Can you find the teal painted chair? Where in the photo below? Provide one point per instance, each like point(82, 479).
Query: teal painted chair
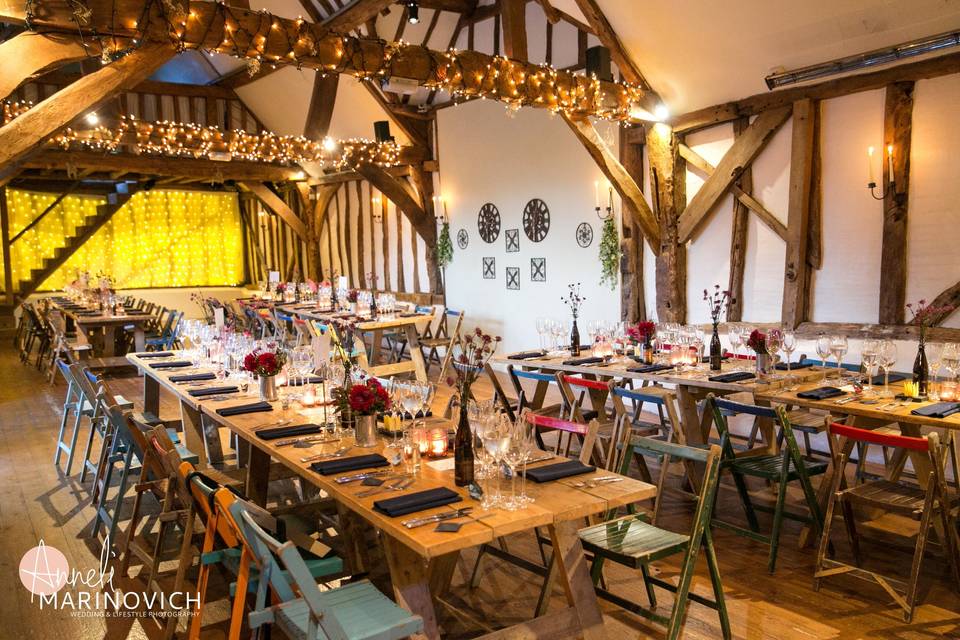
point(356, 611)
point(634, 542)
point(787, 466)
point(77, 404)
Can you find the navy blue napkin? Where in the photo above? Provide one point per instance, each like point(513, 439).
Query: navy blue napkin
point(559, 470)
point(154, 354)
point(283, 432)
point(820, 393)
point(339, 465)
point(213, 391)
point(576, 362)
point(527, 355)
point(650, 368)
point(299, 381)
point(419, 501)
point(938, 410)
point(193, 377)
point(894, 377)
point(241, 409)
point(782, 366)
point(733, 376)
point(173, 364)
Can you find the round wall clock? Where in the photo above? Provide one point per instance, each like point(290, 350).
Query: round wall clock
point(536, 220)
point(463, 238)
point(584, 234)
point(488, 222)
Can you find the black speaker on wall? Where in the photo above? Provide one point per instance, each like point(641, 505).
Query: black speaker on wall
point(598, 63)
point(381, 129)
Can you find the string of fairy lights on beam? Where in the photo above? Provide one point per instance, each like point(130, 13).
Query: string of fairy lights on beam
point(263, 38)
point(188, 140)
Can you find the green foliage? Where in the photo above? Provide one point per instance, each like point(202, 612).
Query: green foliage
point(444, 246)
point(609, 254)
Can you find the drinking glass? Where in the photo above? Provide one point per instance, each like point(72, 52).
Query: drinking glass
point(887, 357)
point(542, 324)
point(823, 350)
point(788, 345)
point(838, 347)
point(525, 434)
point(869, 354)
point(735, 335)
point(951, 359)
point(496, 441)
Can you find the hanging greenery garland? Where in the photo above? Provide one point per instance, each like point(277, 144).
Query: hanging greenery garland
point(609, 254)
point(444, 246)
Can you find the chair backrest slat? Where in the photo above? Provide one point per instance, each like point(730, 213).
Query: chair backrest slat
point(884, 439)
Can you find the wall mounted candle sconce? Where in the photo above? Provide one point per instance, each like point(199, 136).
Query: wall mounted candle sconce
point(596, 194)
point(890, 186)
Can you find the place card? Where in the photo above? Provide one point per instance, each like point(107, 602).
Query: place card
point(444, 464)
point(448, 527)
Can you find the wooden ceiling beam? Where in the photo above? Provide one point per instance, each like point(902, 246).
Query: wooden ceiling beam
point(740, 155)
point(29, 54)
point(513, 13)
point(403, 195)
point(355, 14)
point(322, 101)
point(28, 132)
point(619, 178)
point(608, 37)
point(276, 204)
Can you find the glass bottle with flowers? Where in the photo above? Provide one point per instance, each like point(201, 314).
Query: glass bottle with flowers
point(924, 316)
point(365, 401)
point(352, 296)
point(718, 302)
point(642, 334)
point(758, 342)
point(574, 301)
point(471, 353)
point(265, 365)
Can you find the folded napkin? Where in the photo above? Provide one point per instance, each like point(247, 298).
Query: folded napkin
point(782, 366)
point(213, 391)
point(193, 377)
point(339, 465)
point(650, 368)
point(285, 432)
point(299, 381)
point(576, 362)
point(820, 393)
point(419, 501)
point(154, 354)
point(938, 410)
point(241, 409)
point(559, 470)
point(733, 376)
point(527, 355)
point(410, 314)
point(894, 377)
point(173, 364)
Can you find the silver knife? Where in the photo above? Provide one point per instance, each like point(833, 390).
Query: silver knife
point(360, 476)
point(450, 515)
point(309, 440)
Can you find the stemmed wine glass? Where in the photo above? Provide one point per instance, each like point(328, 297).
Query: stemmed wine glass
point(838, 347)
point(788, 345)
point(869, 354)
point(543, 325)
point(496, 441)
point(823, 350)
point(887, 358)
point(735, 335)
point(525, 435)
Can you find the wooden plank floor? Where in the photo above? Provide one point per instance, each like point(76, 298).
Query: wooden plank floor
point(37, 502)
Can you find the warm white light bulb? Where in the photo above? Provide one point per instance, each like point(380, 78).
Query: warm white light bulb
point(329, 144)
point(92, 118)
point(661, 112)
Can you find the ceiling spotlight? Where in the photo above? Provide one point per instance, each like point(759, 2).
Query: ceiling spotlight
point(661, 112)
point(413, 12)
point(92, 119)
point(329, 144)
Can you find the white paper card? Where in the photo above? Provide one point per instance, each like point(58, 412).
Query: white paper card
point(274, 276)
point(218, 317)
point(343, 283)
point(321, 350)
point(444, 464)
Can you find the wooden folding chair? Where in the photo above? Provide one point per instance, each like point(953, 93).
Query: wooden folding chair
point(788, 466)
point(574, 390)
point(926, 506)
point(534, 401)
point(635, 543)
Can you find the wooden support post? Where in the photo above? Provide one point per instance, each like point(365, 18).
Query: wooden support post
point(815, 235)
point(738, 236)
point(322, 101)
point(668, 183)
point(276, 204)
point(385, 239)
point(796, 279)
point(5, 239)
point(423, 181)
point(897, 126)
point(633, 306)
point(738, 157)
point(514, 15)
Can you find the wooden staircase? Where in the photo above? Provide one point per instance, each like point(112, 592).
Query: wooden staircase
point(119, 196)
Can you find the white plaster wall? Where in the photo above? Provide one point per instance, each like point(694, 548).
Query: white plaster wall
point(489, 157)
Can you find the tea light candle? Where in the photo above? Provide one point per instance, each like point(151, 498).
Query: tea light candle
point(309, 398)
point(948, 391)
point(438, 443)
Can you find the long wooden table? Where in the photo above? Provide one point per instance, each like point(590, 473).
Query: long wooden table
point(404, 324)
point(421, 561)
point(104, 326)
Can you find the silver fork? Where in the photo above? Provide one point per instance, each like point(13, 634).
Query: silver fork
point(271, 425)
point(339, 453)
point(398, 485)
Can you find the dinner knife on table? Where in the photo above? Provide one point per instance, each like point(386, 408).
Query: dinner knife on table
point(439, 517)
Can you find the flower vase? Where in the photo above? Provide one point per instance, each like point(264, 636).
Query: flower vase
point(716, 350)
point(268, 388)
point(574, 339)
point(921, 371)
point(463, 445)
point(365, 432)
point(353, 308)
point(764, 365)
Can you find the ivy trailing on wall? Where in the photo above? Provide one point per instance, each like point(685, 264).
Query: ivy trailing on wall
point(444, 246)
point(609, 254)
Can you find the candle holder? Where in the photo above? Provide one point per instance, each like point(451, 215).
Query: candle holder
point(604, 216)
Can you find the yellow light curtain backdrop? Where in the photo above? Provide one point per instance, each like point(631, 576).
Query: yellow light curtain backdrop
point(158, 239)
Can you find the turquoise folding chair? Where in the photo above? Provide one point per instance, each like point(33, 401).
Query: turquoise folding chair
point(356, 611)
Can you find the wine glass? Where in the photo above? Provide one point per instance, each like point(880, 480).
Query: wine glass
point(496, 441)
point(525, 434)
point(735, 335)
point(869, 354)
point(838, 347)
point(788, 345)
point(542, 324)
point(823, 350)
point(887, 358)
